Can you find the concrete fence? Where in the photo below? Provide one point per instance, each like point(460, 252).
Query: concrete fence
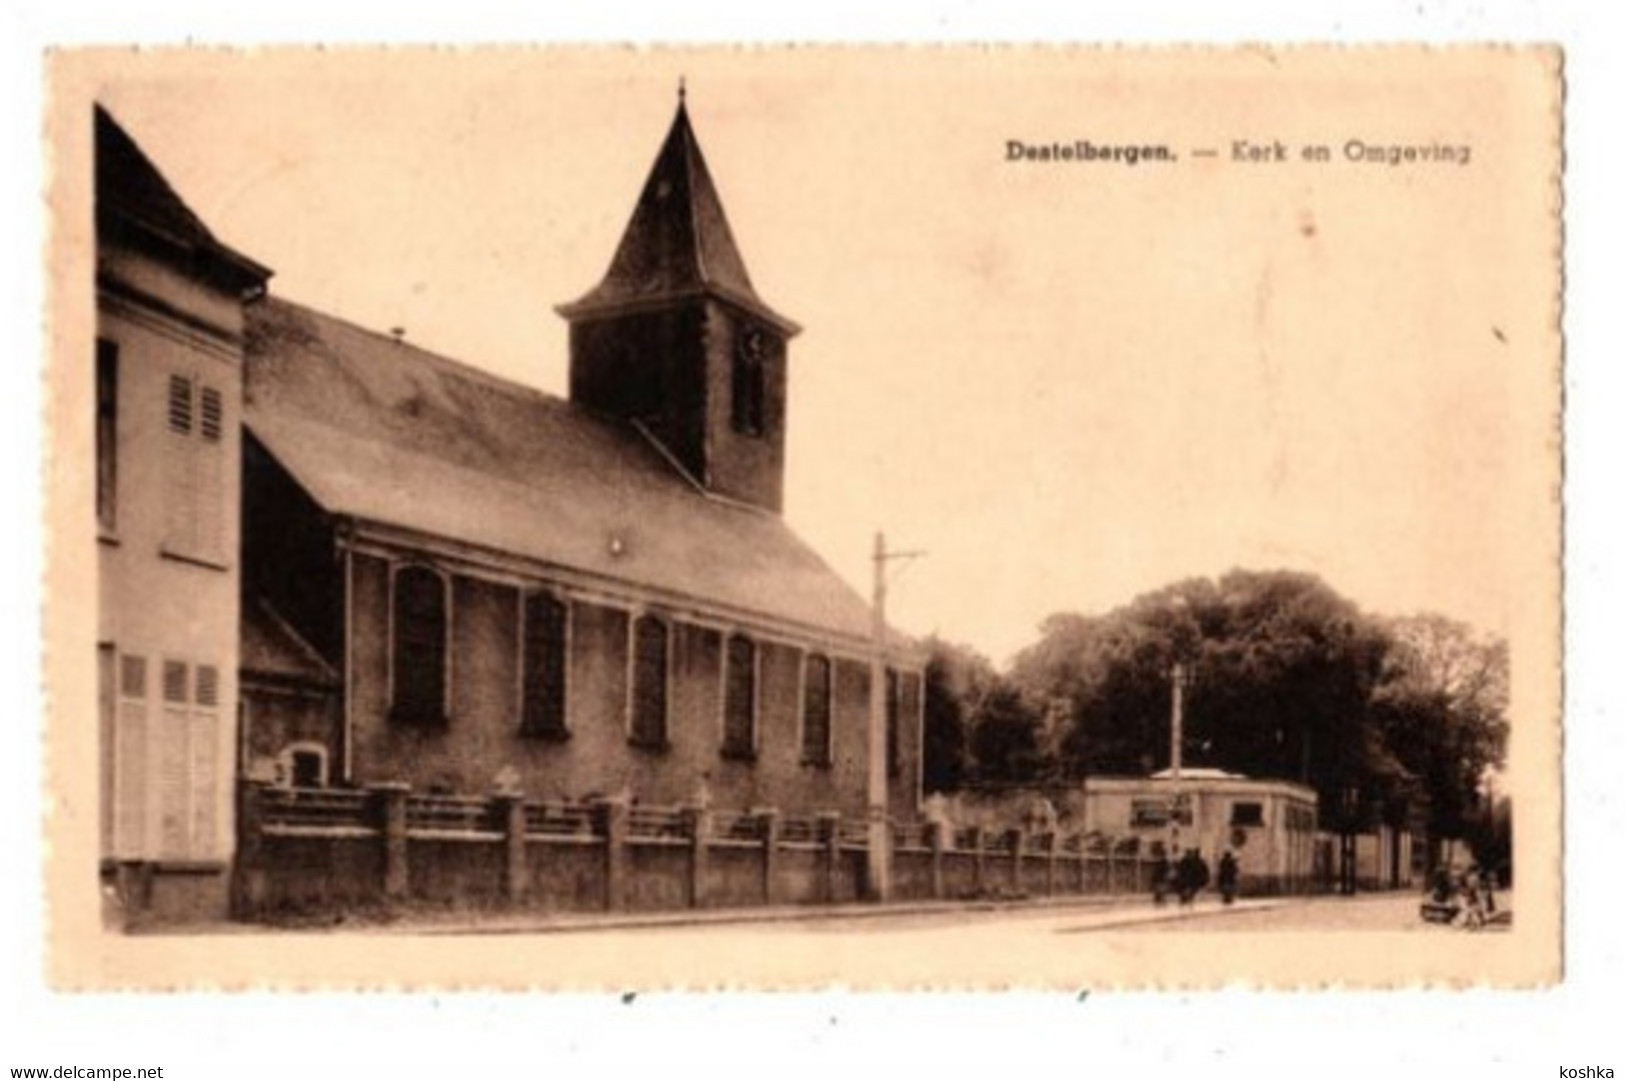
point(315, 851)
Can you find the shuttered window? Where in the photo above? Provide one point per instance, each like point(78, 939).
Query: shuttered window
point(180, 404)
point(739, 699)
point(419, 647)
point(209, 425)
point(185, 774)
point(546, 652)
point(195, 470)
point(130, 759)
point(815, 711)
point(650, 650)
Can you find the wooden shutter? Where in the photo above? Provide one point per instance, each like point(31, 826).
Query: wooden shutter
point(209, 452)
point(130, 759)
point(180, 474)
point(203, 734)
point(174, 764)
point(195, 470)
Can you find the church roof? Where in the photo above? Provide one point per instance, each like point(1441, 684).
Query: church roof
point(678, 243)
point(382, 431)
point(132, 196)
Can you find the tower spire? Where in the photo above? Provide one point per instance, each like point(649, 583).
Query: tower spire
point(675, 340)
point(678, 243)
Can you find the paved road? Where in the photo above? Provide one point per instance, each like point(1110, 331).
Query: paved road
point(1371, 912)
point(1368, 912)
point(1377, 912)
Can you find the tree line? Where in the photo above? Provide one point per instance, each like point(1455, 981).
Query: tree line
point(1400, 718)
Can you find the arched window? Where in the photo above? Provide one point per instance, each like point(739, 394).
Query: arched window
point(739, 699)
point(750, 383)
point(815, 711)
point(649, 668)
point(894, 704)
point(418, 649)
point(546, 628)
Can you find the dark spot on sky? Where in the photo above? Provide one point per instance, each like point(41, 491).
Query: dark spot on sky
point(1502, 338)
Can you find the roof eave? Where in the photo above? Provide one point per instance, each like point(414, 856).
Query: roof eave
point(219, 263)
point(592, 306)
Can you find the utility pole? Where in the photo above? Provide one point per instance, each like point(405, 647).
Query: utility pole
point(879, 855)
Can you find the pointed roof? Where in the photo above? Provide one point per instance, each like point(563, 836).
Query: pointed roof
point(135, 201)
point(678, 244)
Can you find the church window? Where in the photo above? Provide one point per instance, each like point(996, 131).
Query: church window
point(739, 699)
point(893, 722)
point(419, 627)
point(650, 670)
point(545, 636)
point(815, 711)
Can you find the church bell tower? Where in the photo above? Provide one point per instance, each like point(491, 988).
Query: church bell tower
point(675, 340)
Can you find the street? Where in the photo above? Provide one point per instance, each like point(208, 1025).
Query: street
point(1367, 912)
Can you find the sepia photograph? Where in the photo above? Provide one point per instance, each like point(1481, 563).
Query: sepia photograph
point(579, 517)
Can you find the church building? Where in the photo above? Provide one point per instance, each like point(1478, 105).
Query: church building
point(332, 559)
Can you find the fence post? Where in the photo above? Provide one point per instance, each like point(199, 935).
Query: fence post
point(511, 813)
point(829, 832)
point(610, 822)
point(248, 883)
point(767, 828)
point(1018, 852)
point(1111, 867)
point(935, 832)
point(697, 824)
point(390, 801)
point(979, 865)
point(1049, 867)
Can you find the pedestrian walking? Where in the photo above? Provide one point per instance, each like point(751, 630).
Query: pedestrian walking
point(1161, 875)
point(1191, 876)
point(1472, 896)
point(1228, 874)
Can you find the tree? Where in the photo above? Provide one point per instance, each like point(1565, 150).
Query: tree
point(1441, 710)
point(1004, 738)
point(1282, 673)
point(956, 680)
point(1288, 679)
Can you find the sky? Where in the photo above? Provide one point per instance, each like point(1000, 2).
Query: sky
point(1066, 383)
